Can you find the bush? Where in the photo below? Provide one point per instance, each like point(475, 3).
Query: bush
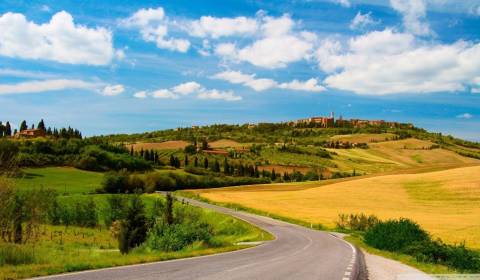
point(395, 235)
point(359, 222)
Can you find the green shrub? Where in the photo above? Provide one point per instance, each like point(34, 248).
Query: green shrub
point(395, 235)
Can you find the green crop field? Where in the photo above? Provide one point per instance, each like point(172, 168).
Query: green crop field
point(65, 180)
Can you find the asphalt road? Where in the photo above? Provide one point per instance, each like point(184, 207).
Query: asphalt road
point(296, 253)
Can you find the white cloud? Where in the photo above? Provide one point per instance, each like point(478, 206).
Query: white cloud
point(413, 12)
point(187, 88)
point(465, 116)
point(45, 86)
point(164, 94)
point(153, 26)
point(236, 77)
point(25, 74)
point(208, 26)
point(309, 85)
point(279, 44)
point(140, 94)
point(219, 95)
point(113, 90)
point(59, 40)
point(362, 21)
point(386, 62)
point(344, 3)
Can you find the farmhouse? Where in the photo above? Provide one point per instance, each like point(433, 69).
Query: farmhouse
point(31, 133)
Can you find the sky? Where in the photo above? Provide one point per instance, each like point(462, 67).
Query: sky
point(118, 66)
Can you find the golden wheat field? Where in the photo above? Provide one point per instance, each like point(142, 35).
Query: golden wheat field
point(446, 203)
point(363, 137)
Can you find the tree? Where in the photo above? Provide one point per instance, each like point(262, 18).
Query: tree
point(205, 145)
point(23, 126)
point(169, 209)
point(216, 166)
point(205, 163)
point(273, 176)
point(133, 229)
point(185, 163)
point(195, 162)
point(8, 129)
point(226, 167)
point(172, 161)
point(41, 125)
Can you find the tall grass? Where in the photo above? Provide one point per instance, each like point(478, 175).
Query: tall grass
point(11, 254)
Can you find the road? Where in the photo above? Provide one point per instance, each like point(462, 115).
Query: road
point(296, 253)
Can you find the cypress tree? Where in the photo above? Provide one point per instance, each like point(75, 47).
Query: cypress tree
point(8, 129)
point(23, 126)
point(273, 176)
point(133, 229)
point(41, 125)
point(185, 163)
point(172, 161)
point(216, 167)
point(205, 163)
point(226, 168)
point(195, 162)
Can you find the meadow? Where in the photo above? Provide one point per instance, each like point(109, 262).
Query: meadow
point(443, 202)
point(72, 248)
point(65, 180)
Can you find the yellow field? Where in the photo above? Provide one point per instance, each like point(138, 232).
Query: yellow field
point(397, 155)
point(167, 145)
point(446, 203)
point(363, 138)
point(226, 143)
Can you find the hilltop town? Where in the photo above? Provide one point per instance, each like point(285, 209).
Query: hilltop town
point(330, 122)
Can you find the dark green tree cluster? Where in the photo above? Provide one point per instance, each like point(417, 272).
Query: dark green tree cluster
point(63, 132)
point(5, 129)
point(148, 155)
point(175, 161)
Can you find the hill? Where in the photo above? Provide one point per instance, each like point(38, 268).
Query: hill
point(444, 202)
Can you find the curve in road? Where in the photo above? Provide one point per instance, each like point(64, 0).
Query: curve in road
point(296, 253)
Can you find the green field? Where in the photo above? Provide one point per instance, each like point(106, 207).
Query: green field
point(65, 180)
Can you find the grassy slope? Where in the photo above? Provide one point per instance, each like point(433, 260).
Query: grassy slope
point(444, 202)
point(82, 248)
point(62, 179)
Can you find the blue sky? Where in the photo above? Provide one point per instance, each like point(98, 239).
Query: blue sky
point(132, 66)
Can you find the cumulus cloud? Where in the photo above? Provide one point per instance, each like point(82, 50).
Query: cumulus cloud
point(465, 116)
point(259, 84)
point(46, 86)
point(413, 12)
point(187, 88)
point(113, 90)
point(190, 88)
point(208, 26)
point(309, 85)
point(140, 94)
point(279, 44)
point(153, 26)
point(362, 21)
point(164, 94)
point(387, 62)
point(219, 95)
point(59, 40)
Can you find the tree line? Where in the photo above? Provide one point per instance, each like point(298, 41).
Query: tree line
point(69, 132)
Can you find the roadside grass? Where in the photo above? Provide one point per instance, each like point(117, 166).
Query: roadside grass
point(429, 268)
point(65, 180)
point(67, 249)
point(445, 203)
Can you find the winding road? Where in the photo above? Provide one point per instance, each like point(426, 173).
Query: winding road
point(296, 253)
